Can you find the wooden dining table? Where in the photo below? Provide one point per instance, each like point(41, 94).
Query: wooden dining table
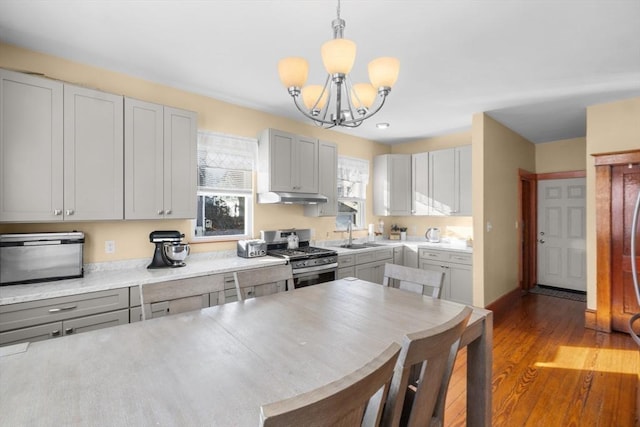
point(218, 365)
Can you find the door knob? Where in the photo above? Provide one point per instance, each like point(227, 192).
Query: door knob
point(541, 240)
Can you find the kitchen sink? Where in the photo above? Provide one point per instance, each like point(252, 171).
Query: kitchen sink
point(360, 245)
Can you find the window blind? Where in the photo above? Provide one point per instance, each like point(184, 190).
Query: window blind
point(225, 162)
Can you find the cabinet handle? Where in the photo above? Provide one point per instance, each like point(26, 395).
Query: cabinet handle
point(57, 310)
point(160, 212)
point(69, 331)
point(55, 333)
point(168, 212)
point(69, 212)
point(57, 212)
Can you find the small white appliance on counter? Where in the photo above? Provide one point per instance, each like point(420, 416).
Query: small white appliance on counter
point(251, 248)
point(40, 257)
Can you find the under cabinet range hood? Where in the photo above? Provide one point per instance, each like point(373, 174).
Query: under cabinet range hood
point(291, 198)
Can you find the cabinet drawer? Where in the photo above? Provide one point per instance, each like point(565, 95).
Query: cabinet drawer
point(365, 257)
point(384, 255)
point(346, 260)
point(32, 334)
point(433, 254)
point(22, 315)
point(461, 258)
point(98, 321)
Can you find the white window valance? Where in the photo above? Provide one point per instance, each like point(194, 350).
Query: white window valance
point(225, 162)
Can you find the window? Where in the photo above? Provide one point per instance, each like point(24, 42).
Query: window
point(225, 186)
point(353, 176)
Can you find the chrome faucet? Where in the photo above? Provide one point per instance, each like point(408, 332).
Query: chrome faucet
point(349, 229)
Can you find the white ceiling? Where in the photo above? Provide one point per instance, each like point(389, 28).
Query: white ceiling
point(532, 65)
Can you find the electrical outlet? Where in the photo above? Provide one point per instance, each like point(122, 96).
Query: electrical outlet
point(109, 246)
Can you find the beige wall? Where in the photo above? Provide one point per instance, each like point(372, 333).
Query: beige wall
point(131, 237)
point(498, 154)
point(561, 156)
point(611, 127)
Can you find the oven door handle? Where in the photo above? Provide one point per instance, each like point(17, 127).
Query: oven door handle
point(315, 268)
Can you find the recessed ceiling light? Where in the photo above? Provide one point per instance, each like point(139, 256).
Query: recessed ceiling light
point(382, 125)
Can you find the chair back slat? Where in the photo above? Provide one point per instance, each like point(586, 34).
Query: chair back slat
point(264, 280)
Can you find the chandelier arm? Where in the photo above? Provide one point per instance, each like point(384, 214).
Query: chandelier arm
point(368, 115)
point(309, 116)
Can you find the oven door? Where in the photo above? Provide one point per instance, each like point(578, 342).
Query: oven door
point(313, 275)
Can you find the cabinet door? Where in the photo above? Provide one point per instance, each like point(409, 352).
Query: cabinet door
point(328, 185)
point(441, 268)
point(443, 182)
point(281, 160)
point(460, 283)
point(392, 184)
point(463, 175)
point(398, 255)
point(93, 155)
point(366, 272)
point(180, 163)
point(31, 148)
point(400, 184)
point(420, 197)
point(346, 272)
point(305, 165)
point(144, 166)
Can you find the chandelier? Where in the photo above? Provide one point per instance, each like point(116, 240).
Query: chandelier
point(339, 102)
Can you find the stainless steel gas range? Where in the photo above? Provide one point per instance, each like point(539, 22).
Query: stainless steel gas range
point(310, 265)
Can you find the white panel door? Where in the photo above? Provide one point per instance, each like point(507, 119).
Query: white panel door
point(561, 233)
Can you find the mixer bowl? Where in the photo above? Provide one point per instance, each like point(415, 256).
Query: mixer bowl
point(176, 252)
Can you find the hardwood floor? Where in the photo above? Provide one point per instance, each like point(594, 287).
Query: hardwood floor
point(548, 370)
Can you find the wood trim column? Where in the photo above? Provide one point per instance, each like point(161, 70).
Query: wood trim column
point(603, 248)
point(603, 165)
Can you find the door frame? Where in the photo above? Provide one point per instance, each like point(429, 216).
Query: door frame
point(528, 213)
point(604, 163)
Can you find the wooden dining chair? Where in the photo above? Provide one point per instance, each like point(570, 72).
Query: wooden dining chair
point(425, 282)
point(179, 296)
point(434, 351)
point(343, 402)
point(263, 281)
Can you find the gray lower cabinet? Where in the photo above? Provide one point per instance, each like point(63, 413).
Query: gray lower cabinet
point(368, 265)
point(457, 269)
point(54, 317)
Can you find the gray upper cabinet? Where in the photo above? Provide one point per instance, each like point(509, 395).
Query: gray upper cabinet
point(287, 162)
point(421, 195)
point(160, 171)
point(31, 148)
point(392, 184)
point(328, 186)
point(93, 154)
point(441, 182)
point(62, 151)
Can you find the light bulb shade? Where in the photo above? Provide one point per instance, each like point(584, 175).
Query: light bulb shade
point(363, 95)
point(338, 56)
point(310, 95)
point(293, 71)
point(383, 72)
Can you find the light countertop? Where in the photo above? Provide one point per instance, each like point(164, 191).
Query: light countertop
point(120, 274)
point(114, 275)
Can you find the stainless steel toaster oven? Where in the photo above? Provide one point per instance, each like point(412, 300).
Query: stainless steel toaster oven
point(40, 257)
point(251, 248)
